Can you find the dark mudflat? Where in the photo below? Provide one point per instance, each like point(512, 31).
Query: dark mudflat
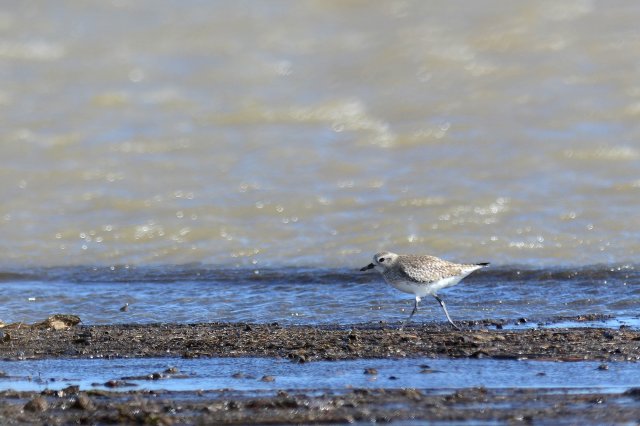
point(62, 337)
point(536, 406)
point(309, 343)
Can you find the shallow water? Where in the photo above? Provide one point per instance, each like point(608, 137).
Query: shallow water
point(190, 294)
point(316, 133)
point(215, 374)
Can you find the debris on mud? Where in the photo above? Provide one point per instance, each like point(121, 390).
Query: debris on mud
point(312, 343)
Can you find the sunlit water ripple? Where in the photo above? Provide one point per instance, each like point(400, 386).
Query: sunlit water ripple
point(288, 133)
point(196, 293)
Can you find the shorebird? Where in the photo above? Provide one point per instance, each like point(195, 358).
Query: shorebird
point(421, 275)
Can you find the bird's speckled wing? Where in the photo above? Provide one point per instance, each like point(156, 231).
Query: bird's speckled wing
point(428, 269)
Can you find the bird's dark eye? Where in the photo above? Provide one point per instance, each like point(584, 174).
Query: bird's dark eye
point(381, 260)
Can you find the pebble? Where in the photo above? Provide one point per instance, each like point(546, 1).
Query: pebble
point(37, 404)
point(117, 384)
point(83, 402)
point(633, 392)
point(70, 390)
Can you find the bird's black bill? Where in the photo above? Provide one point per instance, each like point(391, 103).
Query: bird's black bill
point(369, 266)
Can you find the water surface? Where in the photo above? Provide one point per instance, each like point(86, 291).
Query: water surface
point(315, 133)
point(215, 374)
point(289, 296)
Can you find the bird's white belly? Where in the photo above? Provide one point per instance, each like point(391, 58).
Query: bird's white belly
point(424, 289)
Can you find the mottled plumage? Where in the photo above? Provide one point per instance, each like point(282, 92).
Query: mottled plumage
point(421, 275)
point(425, 269)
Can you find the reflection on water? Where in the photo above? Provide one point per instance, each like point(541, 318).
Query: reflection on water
point(216, 374)
point(316, 133)
point(191, 294)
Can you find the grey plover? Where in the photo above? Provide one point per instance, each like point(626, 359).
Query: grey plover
point(421, 275)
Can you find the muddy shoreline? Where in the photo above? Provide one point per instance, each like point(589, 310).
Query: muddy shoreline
point(356, 405)
point(311, 343)
point(62, 337)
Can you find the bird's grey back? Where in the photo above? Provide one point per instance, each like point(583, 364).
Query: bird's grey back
point(425, 269)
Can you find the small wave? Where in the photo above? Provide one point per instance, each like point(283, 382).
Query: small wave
point(170, 274)
point(212, 273)
point(17, 276)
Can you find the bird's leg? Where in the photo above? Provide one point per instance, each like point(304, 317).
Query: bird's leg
point(415, 309)
point(441, 302)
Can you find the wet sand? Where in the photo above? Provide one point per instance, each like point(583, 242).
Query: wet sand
point(310, 343)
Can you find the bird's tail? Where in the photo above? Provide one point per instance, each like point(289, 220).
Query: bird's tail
point(483, 264)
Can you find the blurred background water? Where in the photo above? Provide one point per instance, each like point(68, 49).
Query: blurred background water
point(314, 133)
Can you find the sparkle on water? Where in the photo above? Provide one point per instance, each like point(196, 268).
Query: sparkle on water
point(193, 293)
point(277, 134)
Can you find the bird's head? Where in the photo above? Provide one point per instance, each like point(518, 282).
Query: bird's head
point(382, 261)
